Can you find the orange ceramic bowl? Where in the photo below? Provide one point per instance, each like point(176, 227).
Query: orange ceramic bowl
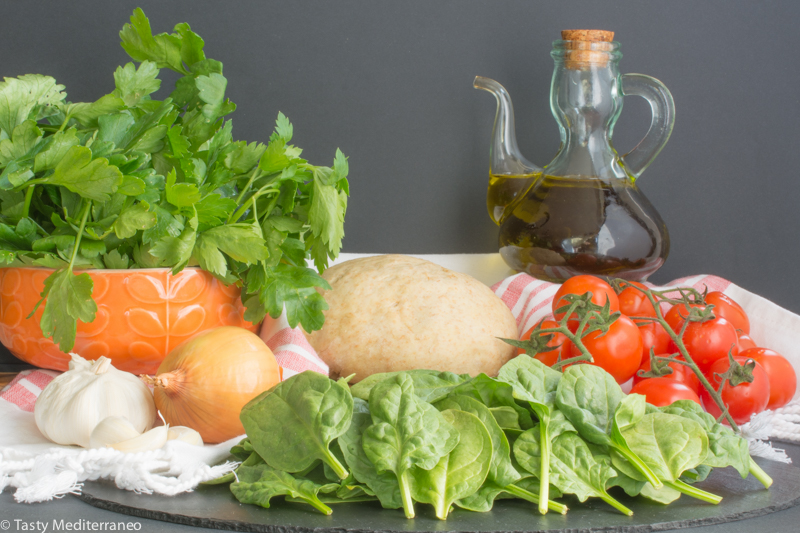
point(141, 315)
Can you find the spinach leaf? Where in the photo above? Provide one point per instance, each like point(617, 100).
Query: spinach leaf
point(429, 385)
point(259, 484)
point(459, 473)
point(494, 393)
point(665, 495)
point(242, 450)
point(292, 424)
point(590, 397)
point(501, 472)
point(573, 468)
point(725, 448)
point(405, 432)
point(384, 485)
point(669, 445)
point(535, 384)
point(506, 417)
point(632, 487)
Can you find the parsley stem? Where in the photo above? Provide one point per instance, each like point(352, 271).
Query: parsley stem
point(85, 216)
point(28, 197)
point(249, 184)
point(64, 124)
point(239, 212)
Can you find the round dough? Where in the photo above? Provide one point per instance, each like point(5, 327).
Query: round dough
point(393, 312)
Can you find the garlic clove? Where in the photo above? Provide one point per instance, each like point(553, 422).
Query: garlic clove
point(151, 440)
point(186, 434)
point(111, 430)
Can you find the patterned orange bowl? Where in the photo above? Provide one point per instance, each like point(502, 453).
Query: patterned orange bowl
point(141, 315)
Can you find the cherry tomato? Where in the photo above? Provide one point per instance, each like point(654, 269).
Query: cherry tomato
point(676, 316)
point(663, 391)
point(619, 351)
point(680, 373)
point(633, 302)
point(601, 291)
point(745, 342)
point(725, 307)
point(781, 374)
point(743, 400)
point(653, 336)
point(549, 357)
point(709, 341)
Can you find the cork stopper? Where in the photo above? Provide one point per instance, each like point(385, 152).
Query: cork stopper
point(586, 48)
point(592, 36)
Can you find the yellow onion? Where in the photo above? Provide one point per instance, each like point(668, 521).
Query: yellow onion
point(206, 380)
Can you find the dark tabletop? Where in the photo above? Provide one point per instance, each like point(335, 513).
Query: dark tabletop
point(22, 517)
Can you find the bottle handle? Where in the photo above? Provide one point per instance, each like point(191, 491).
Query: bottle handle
point(663, 109)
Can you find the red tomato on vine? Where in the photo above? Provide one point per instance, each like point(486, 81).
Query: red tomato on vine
point(601, 292)
point(745, 399)
point(618, 352)
point(663, 391)
point(680, 373)
point(558, 341)
point(781, 374)
point(725, 307)
point(633, 302)
point(709, 341)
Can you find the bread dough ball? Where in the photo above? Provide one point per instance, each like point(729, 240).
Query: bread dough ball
point(393, 312)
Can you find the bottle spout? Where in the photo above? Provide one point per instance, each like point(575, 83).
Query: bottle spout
point(505, 156)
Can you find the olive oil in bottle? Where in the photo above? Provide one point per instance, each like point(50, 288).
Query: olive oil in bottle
point(564, 226)
point(504, 190)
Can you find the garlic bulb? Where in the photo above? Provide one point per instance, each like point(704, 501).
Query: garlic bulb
point(74, 403)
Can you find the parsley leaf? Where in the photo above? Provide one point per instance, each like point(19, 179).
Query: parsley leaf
point(132, 219)
point(241, 242)
point(191, 44)
point(295, 288)
point(212, 91)
point(115, 260)
point(25, 137)
point(93, 179)
point(244, 157)
point(177, 251)
point(88, 113)
point(59, 145)
point(22, 98)
point(68, 298)
point(326, 215)
point(181, 194)
point(135, 84)
point(140, 43)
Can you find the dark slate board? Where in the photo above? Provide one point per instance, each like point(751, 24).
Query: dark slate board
point(215, 507)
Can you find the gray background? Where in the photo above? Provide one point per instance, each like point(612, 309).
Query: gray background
point(390, 83)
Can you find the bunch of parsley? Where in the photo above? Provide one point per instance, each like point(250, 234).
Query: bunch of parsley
point(132, 182)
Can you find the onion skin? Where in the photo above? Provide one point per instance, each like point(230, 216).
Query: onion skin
point(206, 380)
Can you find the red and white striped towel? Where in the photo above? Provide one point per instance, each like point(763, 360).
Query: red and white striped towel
point(291, 348)
point(26, 387)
